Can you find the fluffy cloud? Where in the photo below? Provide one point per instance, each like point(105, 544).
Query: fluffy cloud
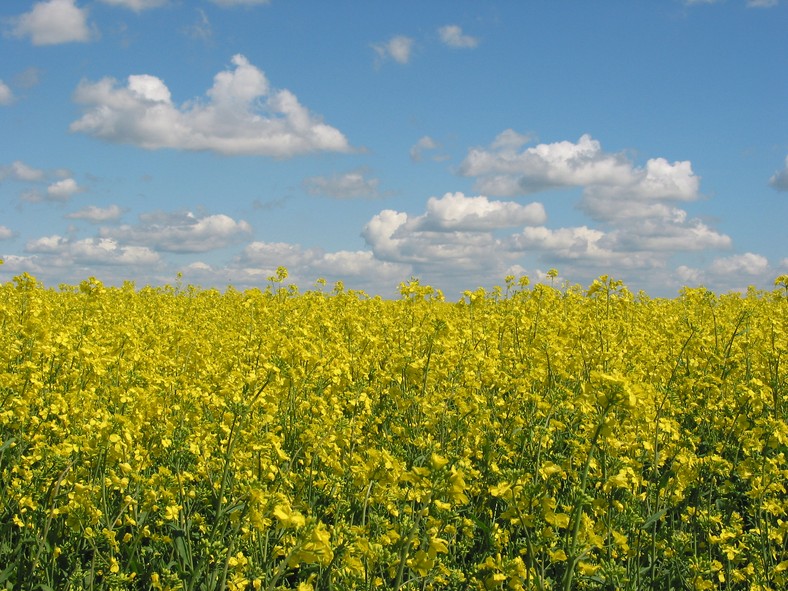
point(180, 232)
point(456, 212)
point(240, 115)
point(453, 36)
point(566, 244)
point(19, 171)
point(136, 5)
point(6, 96)
point(636, 203)
point(97, 214)
point(749, 263)
point(398, 48)
point(779, 180)
point(455, 233)
point(508, 171)
point(351, 185)
point(657, 236)
point(732, 273)
point(96, 251)
point(63, 190)
point(53, 22)
point(5, 233)
point(362, 268)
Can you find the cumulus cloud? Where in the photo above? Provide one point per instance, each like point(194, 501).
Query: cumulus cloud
point(5, 233)
point(657, 237)
point(779, 180)
point(455, 211)
point(53, 22)
point(180, 231)
point(455, 233)
point(564, 243)
point(562, 164)
point(241, 114)
point(731, 273)
point(351, 185)
point(453, 36)
point(63, 190)
point(637, 204)
point(740, 264)
point(20, 171)
point(96, 214)
point(398, 48)
point(366, 271)
point(97, 251)
point(136, 5)
point(6, 96)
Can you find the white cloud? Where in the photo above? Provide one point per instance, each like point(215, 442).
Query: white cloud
point(100, 251)
point(180, 231)
point(270, 255)
point(425, 143)
point(660, 236)
point(63, 190)
point(398, 48)
point(96, 214)
point(658, 180)
point(689, 275)
point(53, 22)
point(509, 139)
point(762, 3)
point(456, 233)
point(241, 115)
point(305, 265)
point(779, 180)
point(636, 202)
point(453, 36)
point(732, 273)
point(20, 171)
point(456, 212)
point(749, 264)
point(351, 185)
point(6, 96)
point(136, 5)
point(5, 233)
point(15, 264)
point(504, 169)
point(561, 164)
point(564, 243)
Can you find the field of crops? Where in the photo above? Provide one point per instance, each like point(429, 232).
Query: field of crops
point(528, 437)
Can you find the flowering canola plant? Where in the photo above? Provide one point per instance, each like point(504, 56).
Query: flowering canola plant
point(520, 438)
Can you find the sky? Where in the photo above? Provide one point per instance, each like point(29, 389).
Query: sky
point(371, 142)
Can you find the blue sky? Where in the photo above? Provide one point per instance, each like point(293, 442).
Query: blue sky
point(455, 141)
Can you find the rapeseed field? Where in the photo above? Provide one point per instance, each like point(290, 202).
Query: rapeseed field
point(525, 437)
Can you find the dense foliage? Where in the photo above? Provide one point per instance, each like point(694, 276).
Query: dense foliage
point(522, 438)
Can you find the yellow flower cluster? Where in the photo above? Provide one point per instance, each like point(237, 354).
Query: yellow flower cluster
point(521, 438)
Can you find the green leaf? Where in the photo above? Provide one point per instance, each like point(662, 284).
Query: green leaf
point(654, 518)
